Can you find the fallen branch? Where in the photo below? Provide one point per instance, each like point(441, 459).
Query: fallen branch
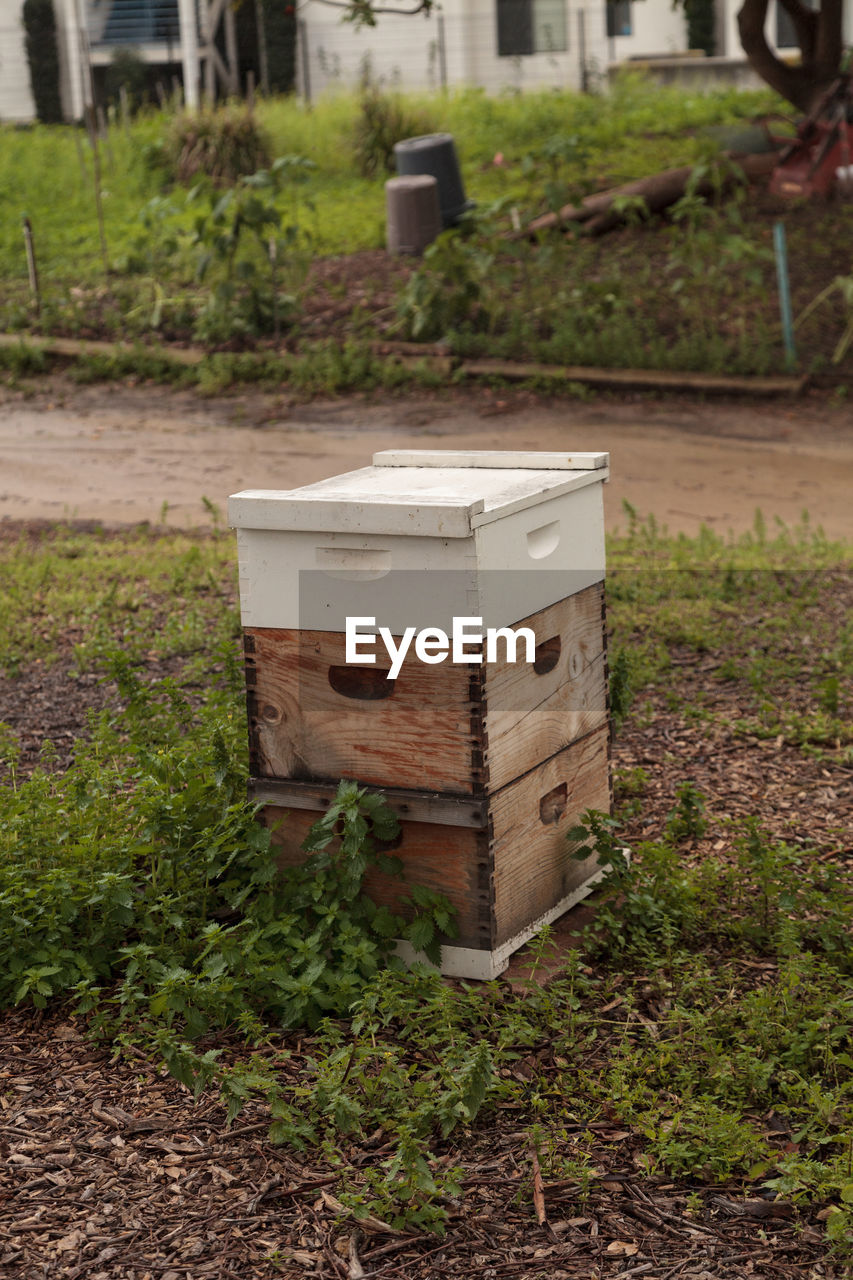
point(597, 213)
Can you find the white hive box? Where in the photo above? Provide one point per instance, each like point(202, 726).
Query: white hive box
point(358, 544)
point(488, 765)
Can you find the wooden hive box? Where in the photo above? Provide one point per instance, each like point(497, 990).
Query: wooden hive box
point(487, 765)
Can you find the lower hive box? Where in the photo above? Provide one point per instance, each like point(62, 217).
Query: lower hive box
point(502, 859)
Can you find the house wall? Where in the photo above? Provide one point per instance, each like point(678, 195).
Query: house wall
point(16, 99)
point(405, 50)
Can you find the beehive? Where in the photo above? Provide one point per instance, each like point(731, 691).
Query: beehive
point(487, 765)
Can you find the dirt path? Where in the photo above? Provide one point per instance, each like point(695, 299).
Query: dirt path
point(118, 454)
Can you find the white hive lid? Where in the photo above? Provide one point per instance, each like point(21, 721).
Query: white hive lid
point(420, 493)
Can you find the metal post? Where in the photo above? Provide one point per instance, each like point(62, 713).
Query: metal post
point(781, 249)
point(442, 52)
point(582, 50)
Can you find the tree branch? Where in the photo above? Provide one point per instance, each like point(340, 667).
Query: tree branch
point(801, 85)
point(363, 13)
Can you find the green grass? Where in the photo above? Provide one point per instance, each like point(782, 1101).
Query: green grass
point(162, 595)
point(694, 292)
point(610, 138)
point(627, 134)
point(137, 886)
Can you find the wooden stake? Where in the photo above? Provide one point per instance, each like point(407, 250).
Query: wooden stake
point(124, 106)
point(96, 165)
point(80, 155)
point(31, 265)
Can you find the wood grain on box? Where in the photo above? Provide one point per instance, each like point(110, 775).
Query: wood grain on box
point(445, 728)
point(499, 879)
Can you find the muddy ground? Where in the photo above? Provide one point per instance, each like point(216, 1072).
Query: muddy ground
point(126, 453)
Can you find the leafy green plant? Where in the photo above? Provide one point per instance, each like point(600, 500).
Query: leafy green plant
point(687, 820)
point(127, 71)
point(137, 886)
point(242, 243)
point(620, 688)
point(842, 286)
point(446, 291)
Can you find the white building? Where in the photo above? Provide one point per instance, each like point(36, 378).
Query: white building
point(88, 34)
point(16, 99)
point(495, 44)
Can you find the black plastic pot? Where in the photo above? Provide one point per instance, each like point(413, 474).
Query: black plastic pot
point(435, 154)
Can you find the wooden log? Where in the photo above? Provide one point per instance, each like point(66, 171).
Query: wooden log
point(648, 379)
point(659, 190)
point(74, 347)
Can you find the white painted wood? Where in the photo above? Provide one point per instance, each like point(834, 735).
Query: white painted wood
point(531, 492)
point(189, 52)
point(491, 458)
point(483, 966)
point(422, 501)
point(16, 99)
point(295, 580)
point(422, 515)
point(416, 546)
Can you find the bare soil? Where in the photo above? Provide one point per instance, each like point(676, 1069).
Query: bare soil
point(127, 453)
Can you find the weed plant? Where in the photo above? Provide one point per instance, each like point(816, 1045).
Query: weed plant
point(382, 121)
point(711, 992)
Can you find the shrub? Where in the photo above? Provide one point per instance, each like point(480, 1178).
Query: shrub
point(223, 144)
point(40, 27)
point(383, 120)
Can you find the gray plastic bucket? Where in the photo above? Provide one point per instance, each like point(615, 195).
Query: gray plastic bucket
point(413, 213)
point(435, 153)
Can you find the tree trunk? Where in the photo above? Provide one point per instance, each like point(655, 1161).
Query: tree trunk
point(819, 34)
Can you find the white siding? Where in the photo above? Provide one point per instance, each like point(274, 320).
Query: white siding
point(656, 28)
point(16, 99)
point(405, 50)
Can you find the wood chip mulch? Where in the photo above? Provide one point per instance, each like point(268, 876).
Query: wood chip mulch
point(111, 1171)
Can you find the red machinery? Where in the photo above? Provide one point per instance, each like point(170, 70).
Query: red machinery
point(818, 159)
